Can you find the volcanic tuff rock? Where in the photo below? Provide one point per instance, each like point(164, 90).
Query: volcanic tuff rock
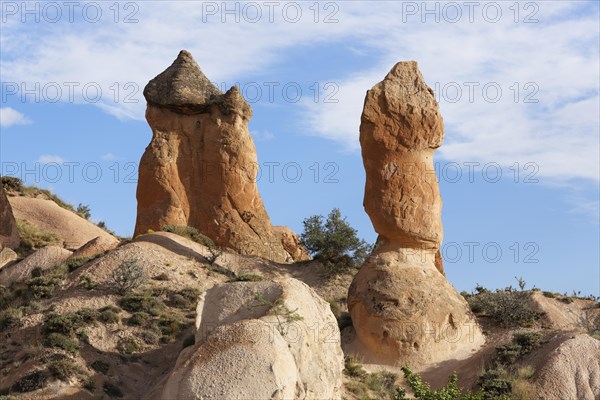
point(403, 309)
point(269, 339)
point(201, 165)
point(9, 234)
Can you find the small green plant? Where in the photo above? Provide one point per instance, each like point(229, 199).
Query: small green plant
point(127, 277)
point(100, 366)
point(84, 211)
point(60, 341)
point(423, 391)
point(527, 340)
point(137, 302)
point(278, 309)
point(109, 317)
point(522, 283)
point(129, 346)
point(63, 369)
point(353, 368)
point(334, 242)
point(10, 318)
point(151, 336)
point(191, 233)
point(89, 384)
point(87, 283)
point(550, 295)
point(495, 384)
point(140, 318)
point(169, 325)
point(247, 278)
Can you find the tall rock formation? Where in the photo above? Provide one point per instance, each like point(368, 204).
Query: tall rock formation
point(403, 309)
point(9, 234)
point(201, 165)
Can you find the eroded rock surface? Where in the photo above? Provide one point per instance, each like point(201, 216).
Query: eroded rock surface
point(403, 309)
point(201, 165)
point(276, 340)
point(9, 234)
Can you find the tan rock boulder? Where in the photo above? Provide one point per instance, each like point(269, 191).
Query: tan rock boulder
point(284, 324)
point(570, 371)
point(200, 166)
point(7, 257)
point(403, 309)
point(45, 259)
point(94, 247)
point(9, 234)
point(48, 216)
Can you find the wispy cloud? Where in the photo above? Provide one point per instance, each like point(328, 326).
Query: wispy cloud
point(263, 136)
point(9, 117)
point(47, 159)
point(108, 157)
point(554, 61)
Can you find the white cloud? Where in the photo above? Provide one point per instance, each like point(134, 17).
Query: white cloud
point(559, 54)
point(9, 117)
point(47, 159)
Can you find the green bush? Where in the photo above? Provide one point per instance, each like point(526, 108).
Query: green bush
point(89, 384)
point(129, 346)
point(109, 317)
point(60, 341)
point(527, 340)
point(353, 369)
point(127, 277)
point(76, 262)
point(63, 369)
point(69, 323)
point(508, 353)
point(100, 366)
point(185, 299)
point(192, 234)
point(10, 318)
point(423, 391)
point(140, 318)
point(334, 242)
point(142, 303)
point(12, 184)
point(495, 384)
point(43, 287)
point(84, 211)
point(30, 382)
point(169, 325)
point(506, 307)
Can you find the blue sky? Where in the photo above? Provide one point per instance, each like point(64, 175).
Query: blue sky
point(517, 83)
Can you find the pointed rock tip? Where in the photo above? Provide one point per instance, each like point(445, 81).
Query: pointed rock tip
point(183, 86)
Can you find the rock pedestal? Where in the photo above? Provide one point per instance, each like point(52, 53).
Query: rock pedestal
point(201, 165)
point(403, 309)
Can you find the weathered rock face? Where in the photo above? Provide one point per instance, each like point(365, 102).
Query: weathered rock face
point(200, 167)
point(403, 309)
point(45, 259)
point(281, 331)
point(9, 234)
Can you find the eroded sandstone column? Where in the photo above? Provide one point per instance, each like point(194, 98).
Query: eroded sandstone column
point(403, 309)
point(9, 234)
point(200, 167)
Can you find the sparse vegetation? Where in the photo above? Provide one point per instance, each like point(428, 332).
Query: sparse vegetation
point(247, 278)
point(10, 318)
point(334, 242)
point(33, 238)
point(127, 277)
point(129, 346)
point(278, 309)
point(63, 369)
point(185, 299)
point(100, 366)
point(60, 341)
point(84, 211)
point(30, 382)
point(508, 307)
point(143, 302)
point(191, 233)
